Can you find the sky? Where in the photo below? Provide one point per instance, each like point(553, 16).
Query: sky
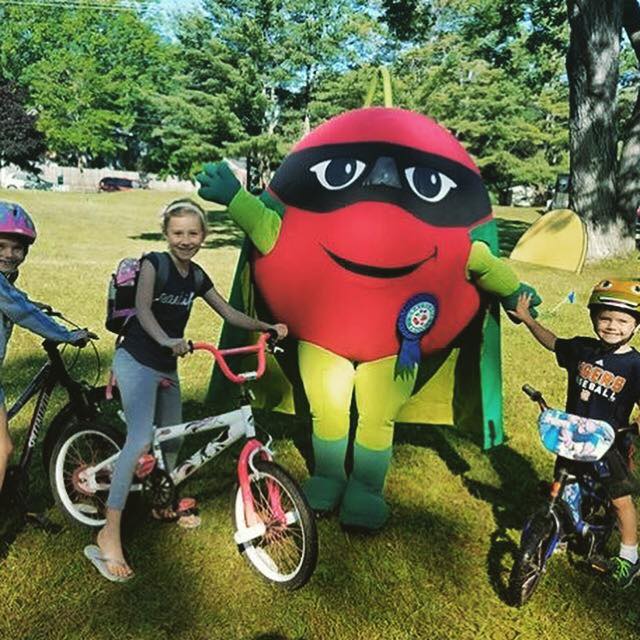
point(170, 6)
point(167, 9)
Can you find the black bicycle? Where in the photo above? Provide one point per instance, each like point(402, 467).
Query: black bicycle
point(578, 512)
point(86, 403)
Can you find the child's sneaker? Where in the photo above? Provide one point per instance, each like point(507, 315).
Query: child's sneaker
point(623, 571)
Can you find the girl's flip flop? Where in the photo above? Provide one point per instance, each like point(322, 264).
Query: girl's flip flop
point(94, 554)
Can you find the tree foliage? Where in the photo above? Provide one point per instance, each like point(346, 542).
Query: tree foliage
point(89, 74)
point(249, 77)
point(286, 48)
point(476, 74)
point(20, 142)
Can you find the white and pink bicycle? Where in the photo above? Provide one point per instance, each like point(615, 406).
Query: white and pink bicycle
point(275, 528)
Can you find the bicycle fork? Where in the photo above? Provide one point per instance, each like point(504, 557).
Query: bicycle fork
point(568, 494)
point(256, 527)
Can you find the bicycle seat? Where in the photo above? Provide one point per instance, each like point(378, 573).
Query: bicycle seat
point(574, 437)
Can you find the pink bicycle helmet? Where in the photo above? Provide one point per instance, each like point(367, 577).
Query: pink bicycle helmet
point(16, 221)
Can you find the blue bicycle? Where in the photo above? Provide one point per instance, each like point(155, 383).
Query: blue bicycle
point(578, 512)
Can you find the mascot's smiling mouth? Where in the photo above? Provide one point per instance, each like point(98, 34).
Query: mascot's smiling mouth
point(378, 272)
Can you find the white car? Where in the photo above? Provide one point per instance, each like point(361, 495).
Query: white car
point(24, 180)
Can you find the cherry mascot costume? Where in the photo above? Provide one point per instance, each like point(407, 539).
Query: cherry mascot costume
point(375, 244)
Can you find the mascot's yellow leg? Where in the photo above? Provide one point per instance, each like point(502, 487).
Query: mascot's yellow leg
point(380, 394)
point(328, 382)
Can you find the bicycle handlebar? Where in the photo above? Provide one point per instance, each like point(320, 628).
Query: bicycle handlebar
point(633, 428)
point(219, 355)
point(534, 394)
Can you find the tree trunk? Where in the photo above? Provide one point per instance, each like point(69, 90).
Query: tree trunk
point(628, 177)
point(592, 67)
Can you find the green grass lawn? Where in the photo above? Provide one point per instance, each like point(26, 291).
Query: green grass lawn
point(438, 570)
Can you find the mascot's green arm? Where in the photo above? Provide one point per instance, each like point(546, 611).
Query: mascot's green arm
point(490, 273)
point(260, 223)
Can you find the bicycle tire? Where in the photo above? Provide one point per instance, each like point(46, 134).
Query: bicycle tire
point(79, 446)
point(286, 555)
point(531, 560)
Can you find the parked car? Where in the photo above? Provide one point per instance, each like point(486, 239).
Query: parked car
point(24, 180)
point(119, 184)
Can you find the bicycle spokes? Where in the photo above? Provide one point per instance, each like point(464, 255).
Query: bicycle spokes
point(274, 537)
point(81, 477)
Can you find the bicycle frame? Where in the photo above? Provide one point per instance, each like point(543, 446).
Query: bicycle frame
point(43, 383)
point(571, 514)
point(238, 424)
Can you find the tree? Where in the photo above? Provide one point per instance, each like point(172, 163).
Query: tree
point(628, 174)
point(592, 66)
point(284, 48)
point(20, 142)
point(90, 74)
point(479, 74)
point(202, 109)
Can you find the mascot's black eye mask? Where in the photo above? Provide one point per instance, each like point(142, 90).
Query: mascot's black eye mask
point(434, 189)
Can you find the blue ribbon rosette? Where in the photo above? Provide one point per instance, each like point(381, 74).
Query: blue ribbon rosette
point(416, 318)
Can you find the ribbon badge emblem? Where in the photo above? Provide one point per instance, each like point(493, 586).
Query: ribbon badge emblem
point(416, 318)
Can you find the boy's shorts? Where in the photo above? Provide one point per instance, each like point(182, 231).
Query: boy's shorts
point(613, 470)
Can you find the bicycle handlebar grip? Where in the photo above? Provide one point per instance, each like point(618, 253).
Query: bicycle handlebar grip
point(534, 394)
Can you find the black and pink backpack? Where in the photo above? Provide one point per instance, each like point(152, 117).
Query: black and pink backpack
point(121, 297)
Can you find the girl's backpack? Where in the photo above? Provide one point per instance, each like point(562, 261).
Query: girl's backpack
point(121, 296)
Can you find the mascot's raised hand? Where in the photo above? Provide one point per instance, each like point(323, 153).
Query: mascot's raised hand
point(219, 184)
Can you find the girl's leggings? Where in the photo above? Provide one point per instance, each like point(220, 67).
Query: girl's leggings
point(145, 404)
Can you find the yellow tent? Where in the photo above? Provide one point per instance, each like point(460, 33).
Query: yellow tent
point(558, 239)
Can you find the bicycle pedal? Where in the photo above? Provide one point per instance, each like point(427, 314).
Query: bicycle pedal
point(600, 563)
point(146, 464)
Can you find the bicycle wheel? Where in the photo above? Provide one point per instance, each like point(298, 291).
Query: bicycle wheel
point(536, 546)
point(82, 446)
point(105, 413)
point(286, 552)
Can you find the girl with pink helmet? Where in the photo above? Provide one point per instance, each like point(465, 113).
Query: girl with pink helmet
point(17, 234)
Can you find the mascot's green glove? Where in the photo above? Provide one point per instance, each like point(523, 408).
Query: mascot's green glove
point(509, 302)
point(218, 183)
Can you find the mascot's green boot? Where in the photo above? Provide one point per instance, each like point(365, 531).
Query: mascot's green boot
point(325, 487)
point(363, 506)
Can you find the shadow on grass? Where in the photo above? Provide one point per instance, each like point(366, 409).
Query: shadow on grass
point(432, 437)
point(12, 524)
point(510, 502)
point(387, 571)
point(509, 232)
